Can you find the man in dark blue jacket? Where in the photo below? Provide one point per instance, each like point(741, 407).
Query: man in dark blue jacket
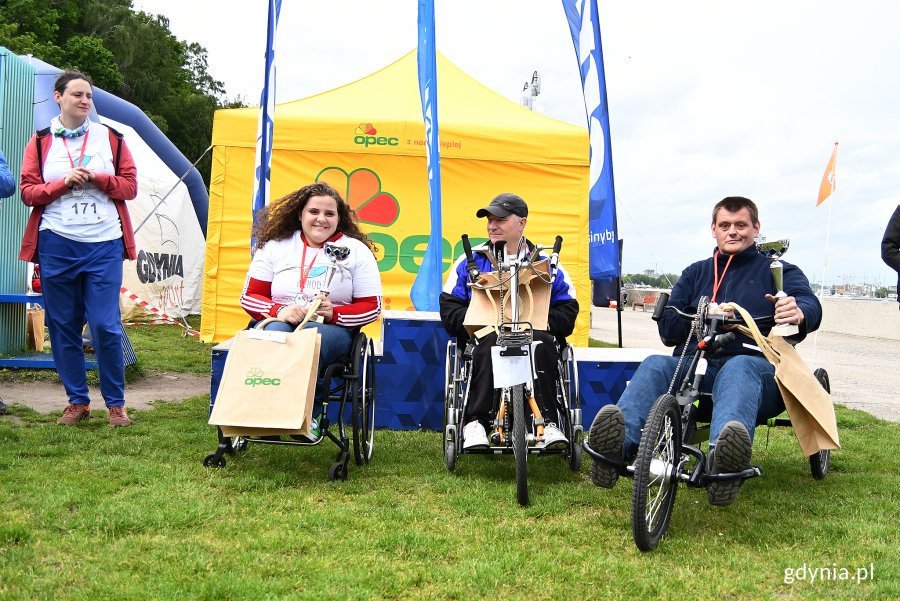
point(890, 245)
point(7, 181)
point(741, 380)
point(506, 217)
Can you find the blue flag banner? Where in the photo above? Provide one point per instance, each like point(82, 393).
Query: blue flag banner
point(261, 173)
point(603, 246)
point(427, 286)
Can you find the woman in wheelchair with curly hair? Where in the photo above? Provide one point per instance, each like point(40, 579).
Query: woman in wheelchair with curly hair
point(289, 268)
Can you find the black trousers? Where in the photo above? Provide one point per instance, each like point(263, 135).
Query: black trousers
point(484, 400)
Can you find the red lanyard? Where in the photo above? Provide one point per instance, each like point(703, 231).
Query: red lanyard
point(83, 146)
point(717, 281)
point(305, 274)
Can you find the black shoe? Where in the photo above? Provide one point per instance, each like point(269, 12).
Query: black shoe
point(731, 454)
point(606, 436)
point(2, 407)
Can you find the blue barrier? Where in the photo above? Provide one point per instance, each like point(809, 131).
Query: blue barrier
point(409, 372)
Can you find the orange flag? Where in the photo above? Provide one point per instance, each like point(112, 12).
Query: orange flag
point(828, 184)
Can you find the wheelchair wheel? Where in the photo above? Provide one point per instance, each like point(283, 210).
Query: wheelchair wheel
point(364, 402)
point(212, 461)
point(820, 462)
point(450, 454)
point(451, 396)
point(655, 473)
point(519, 443)
point(570, 412)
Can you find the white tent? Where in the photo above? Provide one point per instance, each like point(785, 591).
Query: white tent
point(169, 269)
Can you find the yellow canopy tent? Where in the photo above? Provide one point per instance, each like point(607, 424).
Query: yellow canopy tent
point(367, 139)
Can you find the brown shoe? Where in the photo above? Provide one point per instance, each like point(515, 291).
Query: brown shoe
point(74, 414)
point(118, 417)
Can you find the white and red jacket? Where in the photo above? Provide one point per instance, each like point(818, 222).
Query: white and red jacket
point(285, 272)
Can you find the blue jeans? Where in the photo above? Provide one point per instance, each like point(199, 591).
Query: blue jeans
point(336, 343)
point(80, 282)
point(743, 388)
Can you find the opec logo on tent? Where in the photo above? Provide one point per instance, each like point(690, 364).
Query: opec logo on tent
point(365, 136)
point(400, 250)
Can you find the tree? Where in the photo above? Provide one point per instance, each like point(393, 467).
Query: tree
point(128, 53)
point(89, 55)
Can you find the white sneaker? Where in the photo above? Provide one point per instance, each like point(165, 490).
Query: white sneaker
point(553, 437)
point(474, 436)
point(314, 433)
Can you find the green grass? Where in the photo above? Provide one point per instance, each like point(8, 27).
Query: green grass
point(158, 348)
point(90, 512)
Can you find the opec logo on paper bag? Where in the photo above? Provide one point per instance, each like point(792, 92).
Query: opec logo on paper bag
point(255, 377)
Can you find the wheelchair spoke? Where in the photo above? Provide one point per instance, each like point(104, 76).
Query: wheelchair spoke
point(662, 477)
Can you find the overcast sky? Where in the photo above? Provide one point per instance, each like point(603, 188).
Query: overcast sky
point(707, 99)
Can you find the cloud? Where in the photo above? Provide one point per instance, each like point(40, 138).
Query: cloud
point(707, 99)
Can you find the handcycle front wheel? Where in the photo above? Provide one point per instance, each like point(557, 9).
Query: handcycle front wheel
point(519, 443)
point(656, 473)
point(819, 463)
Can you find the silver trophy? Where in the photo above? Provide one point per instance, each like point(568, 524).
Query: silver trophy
point(775, 249)
point(336, 253)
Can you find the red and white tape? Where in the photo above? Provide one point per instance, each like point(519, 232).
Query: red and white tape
point(165, 318)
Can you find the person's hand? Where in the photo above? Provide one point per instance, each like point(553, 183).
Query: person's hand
point(293, 314)
point(78, 176)
point(326, 309)
point(716, 309)
point(786, 310)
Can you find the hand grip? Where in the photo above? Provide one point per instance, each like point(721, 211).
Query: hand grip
point(471, 266)
point(661, 301)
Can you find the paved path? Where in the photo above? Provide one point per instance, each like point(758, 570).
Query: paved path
point(46, 397)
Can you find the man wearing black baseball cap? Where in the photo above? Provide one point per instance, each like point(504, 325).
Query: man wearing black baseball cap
point(504, 205)
point(506, 216)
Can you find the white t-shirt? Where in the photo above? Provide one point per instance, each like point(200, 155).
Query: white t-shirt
point(278, 261)
point(92, 216)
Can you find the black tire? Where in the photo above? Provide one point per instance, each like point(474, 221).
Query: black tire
point(569, 393)
point(212, 461)
point(819, 463)
point(575, 455)
point(450, 455)
point(519, 443)
point(337, 471)
point(653, 494)
point(450, 397)
point(363, 402)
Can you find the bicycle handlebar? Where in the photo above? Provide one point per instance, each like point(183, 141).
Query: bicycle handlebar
point(662, 305)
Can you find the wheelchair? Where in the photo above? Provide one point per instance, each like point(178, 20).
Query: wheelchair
point(505, 436)
point(669, 451)
point(350, 383)
point(512, 432)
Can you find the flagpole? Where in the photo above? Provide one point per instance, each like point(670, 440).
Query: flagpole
point(833, 165)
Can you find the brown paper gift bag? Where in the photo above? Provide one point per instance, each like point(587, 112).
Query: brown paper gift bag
point(534, 299)
point(268, 383)
point(34, 328)
point(808, 404)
